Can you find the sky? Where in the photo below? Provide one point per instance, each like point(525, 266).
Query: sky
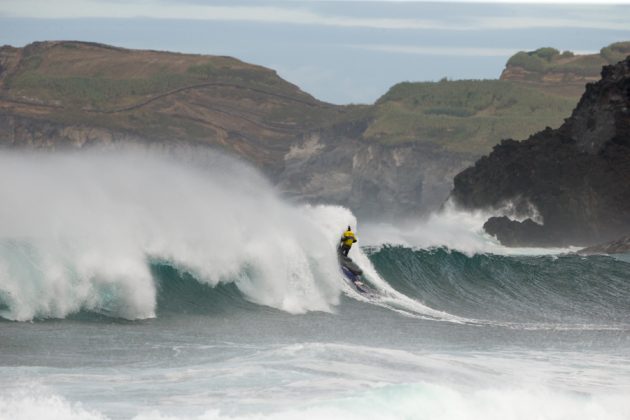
point(347, 51)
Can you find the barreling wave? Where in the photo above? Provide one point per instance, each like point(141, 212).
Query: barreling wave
point(559, 290)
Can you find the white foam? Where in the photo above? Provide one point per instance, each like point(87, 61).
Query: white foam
point(382, 402)
point(452, 228)
point(29, 404)
point(76, 231)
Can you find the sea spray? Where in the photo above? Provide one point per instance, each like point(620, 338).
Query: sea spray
point(77, 229)
point(452, 228)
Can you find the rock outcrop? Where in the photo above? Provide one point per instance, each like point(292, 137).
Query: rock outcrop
point(618, 246)
point(69, 95)
point(375, 180)
point(395, 158)
point(565, 70)
point(577, 176)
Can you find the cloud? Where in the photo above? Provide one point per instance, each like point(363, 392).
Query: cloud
point(552, 2)
point(532, 22)
point(445, 51)
point(296, 13)
point(43, 9)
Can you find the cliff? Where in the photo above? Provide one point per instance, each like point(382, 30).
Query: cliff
point(395, 157)
point(68, 95)
point(56, 94)
point(576, 176)
point(562, 72)
point(618, 246)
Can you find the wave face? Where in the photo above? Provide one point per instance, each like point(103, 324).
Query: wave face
point(79, 233)
point(138, 234)
point(456, 327)
point(561, 290)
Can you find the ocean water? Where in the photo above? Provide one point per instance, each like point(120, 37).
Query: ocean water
point(137, 286)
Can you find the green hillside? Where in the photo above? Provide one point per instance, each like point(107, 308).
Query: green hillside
point(83, 75)
point(465, 115)
point(247, 108)
point(551, 60)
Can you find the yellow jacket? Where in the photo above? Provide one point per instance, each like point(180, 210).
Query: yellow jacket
point(348, 238)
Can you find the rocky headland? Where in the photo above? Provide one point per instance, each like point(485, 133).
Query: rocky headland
point(393, 158)
point(618, 246)
point(564, 70)
point(577, 177)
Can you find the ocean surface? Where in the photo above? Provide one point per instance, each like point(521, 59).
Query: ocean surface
point(143, 287)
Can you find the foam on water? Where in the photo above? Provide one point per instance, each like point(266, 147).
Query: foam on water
point(413, 401)
point(450, 227)
point(77, 230)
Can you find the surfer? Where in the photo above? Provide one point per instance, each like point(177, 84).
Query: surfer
point(347, 239)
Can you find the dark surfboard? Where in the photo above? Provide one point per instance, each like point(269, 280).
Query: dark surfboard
point(352, 272)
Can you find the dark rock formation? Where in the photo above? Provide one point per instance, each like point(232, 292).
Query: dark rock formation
point(618, 246)
point(578, 176)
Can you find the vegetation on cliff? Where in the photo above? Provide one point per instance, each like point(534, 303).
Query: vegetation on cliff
point(577, 176)
point(467, 116)
point(547, 61)
point(208, 99)
point(538, 89)
point(405, 148)
point(154, 96)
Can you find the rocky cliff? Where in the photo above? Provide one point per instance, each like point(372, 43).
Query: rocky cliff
point(618, 246)
point(337, 165)
point(562, 71)
point(577, 176)
point(69, 95)
point(396, 157)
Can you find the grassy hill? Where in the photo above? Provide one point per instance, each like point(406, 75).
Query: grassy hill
point(465, 115)
point(399, 154)
point(163, 96)
point(549, 64)
point(537, 89)
point(159, 97)
point(90, 76)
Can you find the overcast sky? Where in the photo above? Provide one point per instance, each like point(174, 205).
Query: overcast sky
point(340, 51)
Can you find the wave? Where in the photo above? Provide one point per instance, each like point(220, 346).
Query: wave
point(417, 400)
point(555, 290)
point(137, 234)
point(78, 233)
point(451, 228)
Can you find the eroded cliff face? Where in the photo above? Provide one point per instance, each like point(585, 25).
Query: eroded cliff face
point(377, 181)
point(578, 176)
point(71, 95)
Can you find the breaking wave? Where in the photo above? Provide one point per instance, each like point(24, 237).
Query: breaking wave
point(418, 401)
point(138, 234)
point(79, 232)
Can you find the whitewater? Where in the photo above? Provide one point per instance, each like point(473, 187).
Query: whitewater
point(159, 285)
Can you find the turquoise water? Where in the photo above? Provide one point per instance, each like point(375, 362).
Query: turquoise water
point(195, 292)
point(538, 342)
